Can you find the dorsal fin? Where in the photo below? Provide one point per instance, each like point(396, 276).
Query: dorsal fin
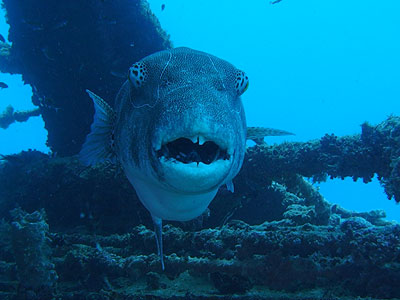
point(98, 146)
point(257, 134)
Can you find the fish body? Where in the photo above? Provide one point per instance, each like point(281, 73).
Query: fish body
point(190, 108)
point(3, 85)
point(178, 129)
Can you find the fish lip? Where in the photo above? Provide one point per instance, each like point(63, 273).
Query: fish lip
point(202, 177)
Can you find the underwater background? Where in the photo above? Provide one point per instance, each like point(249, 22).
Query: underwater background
point(315, 68)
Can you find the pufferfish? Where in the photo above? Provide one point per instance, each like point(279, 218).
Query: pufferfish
point(178, 129)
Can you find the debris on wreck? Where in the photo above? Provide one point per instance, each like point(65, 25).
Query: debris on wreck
point(10, 116)
point(3, 85)
point(273, 260)
point(375, 151)
point(31, 248)
point(7, 64)
point(277, 255)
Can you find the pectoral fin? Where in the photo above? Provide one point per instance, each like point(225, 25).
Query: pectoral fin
point(98, 146)
point(257, 134)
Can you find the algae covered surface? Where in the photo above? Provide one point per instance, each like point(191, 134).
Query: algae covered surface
point(95, 239)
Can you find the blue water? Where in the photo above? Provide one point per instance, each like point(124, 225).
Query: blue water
point(315, 67)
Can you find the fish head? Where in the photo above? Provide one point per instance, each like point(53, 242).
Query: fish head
point(197, 130)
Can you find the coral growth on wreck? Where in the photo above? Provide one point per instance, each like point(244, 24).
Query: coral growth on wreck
point(31, 248)
point(275, 238)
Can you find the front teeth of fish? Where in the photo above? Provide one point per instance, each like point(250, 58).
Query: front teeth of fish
point(198, 139)
point(202, 140)
point(194, 139)
point(157, 145)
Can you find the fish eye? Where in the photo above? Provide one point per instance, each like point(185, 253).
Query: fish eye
point(241, 82)
point(137, 74)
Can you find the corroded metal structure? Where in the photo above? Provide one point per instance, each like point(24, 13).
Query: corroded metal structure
point(62, 48)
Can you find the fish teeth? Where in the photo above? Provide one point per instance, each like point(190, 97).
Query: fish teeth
point(202, 140)
point(194, 139)
point(157, 145)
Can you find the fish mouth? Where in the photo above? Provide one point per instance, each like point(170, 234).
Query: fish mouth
point(194, 163)
point(196, 149)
